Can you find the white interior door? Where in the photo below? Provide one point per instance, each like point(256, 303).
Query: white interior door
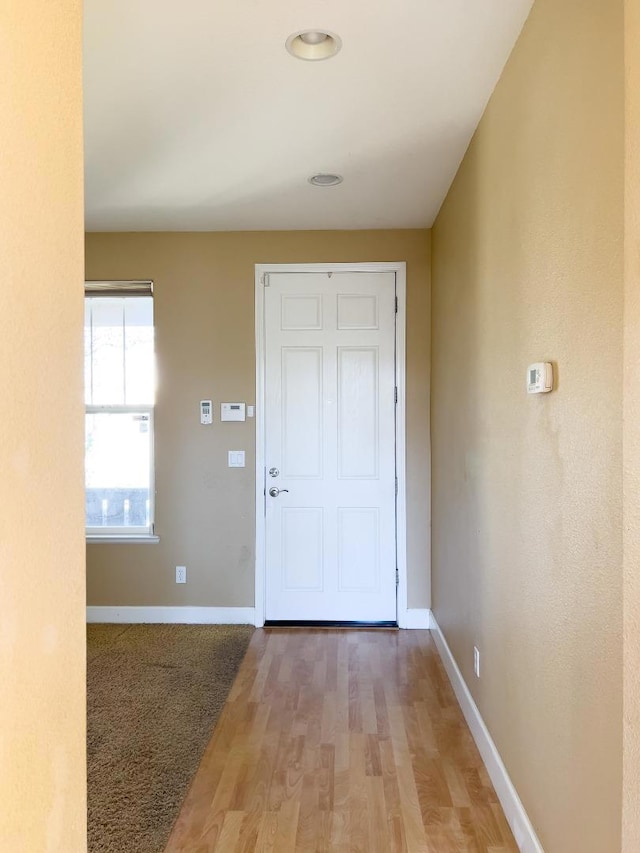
point(330, 535)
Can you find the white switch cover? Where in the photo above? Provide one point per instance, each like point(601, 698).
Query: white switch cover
point(236, 459)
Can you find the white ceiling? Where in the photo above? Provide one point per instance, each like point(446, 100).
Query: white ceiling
point(196, 117)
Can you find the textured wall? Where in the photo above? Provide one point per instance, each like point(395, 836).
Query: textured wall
point(631, 437)
point(42, 592)
point(527, 545)
point(204, 299)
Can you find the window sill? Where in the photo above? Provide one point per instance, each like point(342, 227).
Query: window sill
point(122, 540)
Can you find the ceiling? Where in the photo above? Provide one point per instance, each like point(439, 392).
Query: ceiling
point(197, 118)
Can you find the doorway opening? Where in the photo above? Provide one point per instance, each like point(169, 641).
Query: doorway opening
point(330, 444)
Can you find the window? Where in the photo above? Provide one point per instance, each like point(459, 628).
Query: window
point(119, 398)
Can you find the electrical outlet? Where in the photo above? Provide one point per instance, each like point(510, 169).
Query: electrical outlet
point(476, 661)
point(181, 574)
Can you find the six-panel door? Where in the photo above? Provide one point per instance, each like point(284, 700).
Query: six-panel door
point(330, 435)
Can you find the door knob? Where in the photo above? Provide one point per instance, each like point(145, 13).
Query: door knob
point(274, 491)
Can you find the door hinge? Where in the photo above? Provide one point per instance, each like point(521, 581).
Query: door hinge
point(396, 487)
point(397, 577)
point(264, 279)
point(395, 395)
point(396, 304)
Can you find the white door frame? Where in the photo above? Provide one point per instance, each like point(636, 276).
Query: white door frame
point(400, 270)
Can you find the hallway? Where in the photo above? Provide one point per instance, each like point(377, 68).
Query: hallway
point(346, 741)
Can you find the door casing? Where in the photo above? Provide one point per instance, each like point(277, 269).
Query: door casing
point(400, 270)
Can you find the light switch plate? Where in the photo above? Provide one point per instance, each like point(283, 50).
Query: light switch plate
point(236, 459)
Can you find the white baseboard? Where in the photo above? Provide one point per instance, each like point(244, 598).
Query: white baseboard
point(415, 619)
point(521, 826)
point(173, 615)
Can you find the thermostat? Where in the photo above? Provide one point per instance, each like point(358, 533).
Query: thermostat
point(540, 378)
point(232, 411)
point(206, 412)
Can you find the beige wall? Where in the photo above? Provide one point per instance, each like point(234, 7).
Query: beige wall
point(631, 438)
point(42, 593)
point(527, 545)
point(204, 300)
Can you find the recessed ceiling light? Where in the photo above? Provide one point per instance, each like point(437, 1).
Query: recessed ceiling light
point(325, 180)
point(313, 45)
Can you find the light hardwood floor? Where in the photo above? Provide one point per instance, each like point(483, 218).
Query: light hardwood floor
point(342, 741)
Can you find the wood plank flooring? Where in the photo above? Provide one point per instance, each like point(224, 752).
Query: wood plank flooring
point(346, 741)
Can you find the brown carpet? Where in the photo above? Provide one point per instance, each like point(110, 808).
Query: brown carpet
point(154, 693)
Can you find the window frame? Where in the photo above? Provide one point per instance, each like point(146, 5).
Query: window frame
point(138, 533)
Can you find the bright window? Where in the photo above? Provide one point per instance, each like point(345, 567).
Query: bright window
point(119, 399)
